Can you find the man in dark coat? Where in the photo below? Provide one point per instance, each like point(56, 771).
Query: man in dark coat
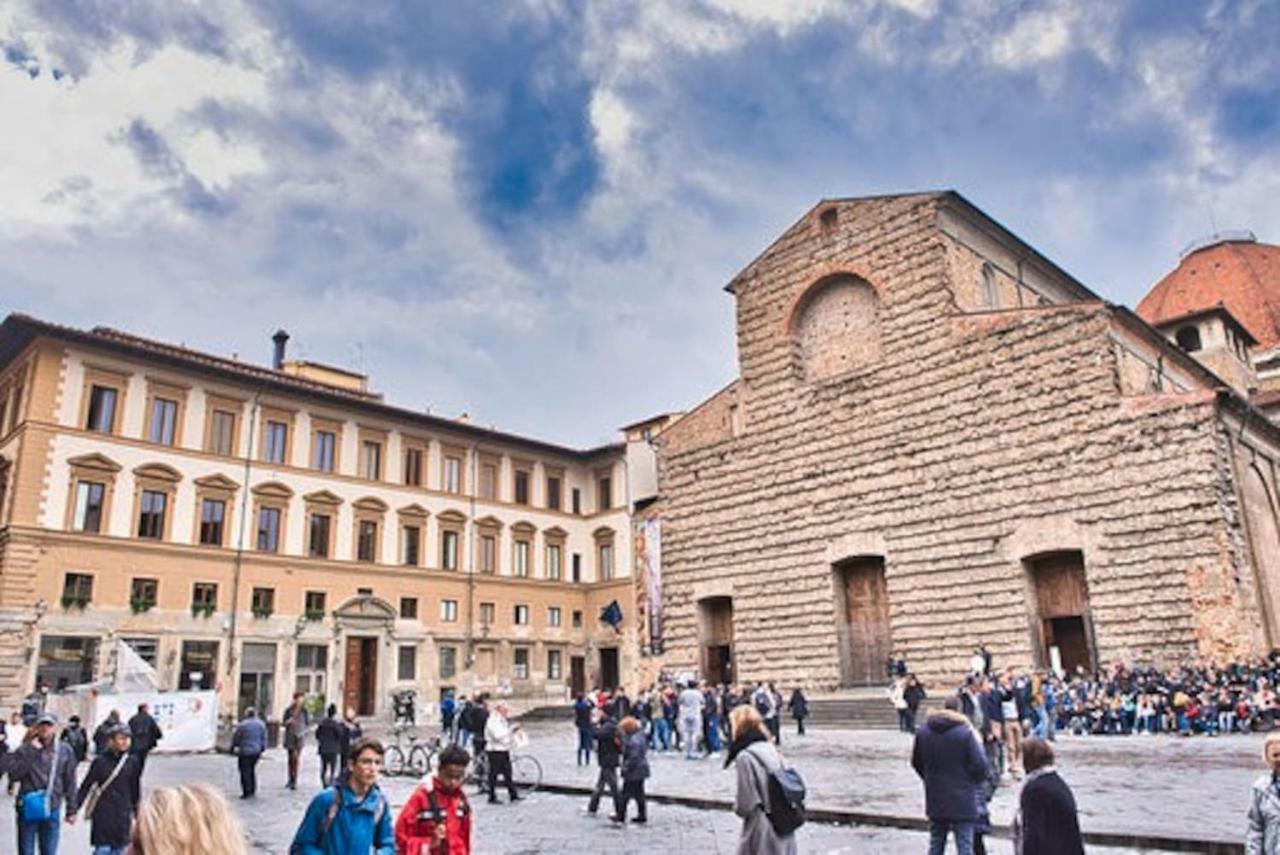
point(948, 757)
point(1047, 823)
point(146, 735)
point(73, 734)
point(115, 772)
point(329, 736)
point(608, 753)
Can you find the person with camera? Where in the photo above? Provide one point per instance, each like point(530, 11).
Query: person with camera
point(44, 771)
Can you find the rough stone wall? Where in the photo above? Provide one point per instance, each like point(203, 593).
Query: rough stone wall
point(971, 444)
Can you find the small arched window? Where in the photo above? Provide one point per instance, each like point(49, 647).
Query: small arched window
point(990, 288)
point(1188, 338)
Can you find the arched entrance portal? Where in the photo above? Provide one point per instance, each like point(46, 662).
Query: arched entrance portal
point(361, 625)
point(862, 620)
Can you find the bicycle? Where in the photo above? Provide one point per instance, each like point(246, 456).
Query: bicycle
point(416, 758)
point(526, 772)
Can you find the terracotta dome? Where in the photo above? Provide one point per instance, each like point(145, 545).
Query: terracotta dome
point(1243, 275)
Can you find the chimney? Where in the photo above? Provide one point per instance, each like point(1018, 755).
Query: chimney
point(281, 338)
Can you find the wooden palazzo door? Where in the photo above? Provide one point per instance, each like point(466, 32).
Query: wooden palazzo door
point(360, 684)
point(866, 617)
point(1062, 602)
point(577, 674)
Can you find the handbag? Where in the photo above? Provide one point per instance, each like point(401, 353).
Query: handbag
point(37, 805)
point(95, 792)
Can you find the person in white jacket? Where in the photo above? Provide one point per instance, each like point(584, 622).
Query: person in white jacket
point(498, 739)
point(1263, 834)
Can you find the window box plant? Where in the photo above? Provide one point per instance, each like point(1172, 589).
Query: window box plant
point(262, 611)
point(74, 601)
point(201, 609)
point(139, 605)
point(314, 614)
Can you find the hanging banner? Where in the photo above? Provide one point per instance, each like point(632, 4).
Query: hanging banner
point(188, 720)
point(648, 564)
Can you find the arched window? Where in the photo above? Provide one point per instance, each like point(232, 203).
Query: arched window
point(1188, 338)
point(836, 327)
point(990, 288)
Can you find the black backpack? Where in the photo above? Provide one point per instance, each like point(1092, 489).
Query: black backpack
point(786, 799)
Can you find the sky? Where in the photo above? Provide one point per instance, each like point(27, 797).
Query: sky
point(527, 210)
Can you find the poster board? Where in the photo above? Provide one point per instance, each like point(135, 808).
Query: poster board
point(188, 720)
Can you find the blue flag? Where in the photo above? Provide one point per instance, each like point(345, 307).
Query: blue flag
point(612, 615)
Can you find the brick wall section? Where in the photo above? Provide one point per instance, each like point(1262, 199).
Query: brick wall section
point(970, 441)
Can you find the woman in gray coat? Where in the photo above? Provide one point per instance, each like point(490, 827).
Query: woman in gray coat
point(1263, 836)
point(755, 758)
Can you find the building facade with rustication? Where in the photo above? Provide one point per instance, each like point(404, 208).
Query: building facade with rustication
point(937, 438)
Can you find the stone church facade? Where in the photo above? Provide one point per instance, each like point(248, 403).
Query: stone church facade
point(937, 438)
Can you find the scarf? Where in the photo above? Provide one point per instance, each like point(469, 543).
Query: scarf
point(740, 742)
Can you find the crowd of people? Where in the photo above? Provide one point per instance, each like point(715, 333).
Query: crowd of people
point(688, 716)
point(1123, 700)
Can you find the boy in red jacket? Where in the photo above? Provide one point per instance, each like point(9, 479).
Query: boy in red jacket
point(437, 818)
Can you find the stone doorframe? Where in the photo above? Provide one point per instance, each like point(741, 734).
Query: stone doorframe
point(368, 616)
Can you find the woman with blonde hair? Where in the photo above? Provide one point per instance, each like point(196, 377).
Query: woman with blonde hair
point(192, 819)
point(1263, 835)
point(755, 759)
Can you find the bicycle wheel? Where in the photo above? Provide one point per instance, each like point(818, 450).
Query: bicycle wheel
point(526, 771)
point(419, 760)
point(393, 761)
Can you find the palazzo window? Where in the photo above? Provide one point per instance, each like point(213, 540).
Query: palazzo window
point(371, 460)
point(407, 664)
point(521, 487)
point(269, 520)
point(213, 514)
point(554, 665)
point(411, 536)
point(488, 487)
point(604, 554)
point(448, 662)
point(451, 474)
point(101, 415)
point(520, 663)
point(324, 450)
point(204, 598)
point(488, 553)
point(520, 614)
point(449, 611)
point(222, 430)
point(90, 499)
point(604, 493)
point(413, 458)
point(164, 421)
point(143, 594)
point(153, 507)
point(77, 590)
point(555, 538)
point(275, 441)
point(553, 616)
point(555, 486)
point(263, 602)
point(318, 535)
point(488, 611)
point(409, 608)
point(367, 541)
point(520, 562)
point(313, 605)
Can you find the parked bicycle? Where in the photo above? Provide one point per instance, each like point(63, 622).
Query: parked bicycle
point(416, 757)
point(526, 772)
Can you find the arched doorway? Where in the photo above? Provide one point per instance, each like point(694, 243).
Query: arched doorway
point(862, 620)
point(361, 625)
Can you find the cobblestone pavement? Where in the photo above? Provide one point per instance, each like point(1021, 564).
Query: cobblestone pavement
point(1134, 784)
point(1155, 785)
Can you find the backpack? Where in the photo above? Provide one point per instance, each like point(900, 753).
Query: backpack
point(786, 799)
point(762, 703)
point(332, 814)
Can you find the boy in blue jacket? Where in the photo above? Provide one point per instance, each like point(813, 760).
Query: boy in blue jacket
point(351, 817)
